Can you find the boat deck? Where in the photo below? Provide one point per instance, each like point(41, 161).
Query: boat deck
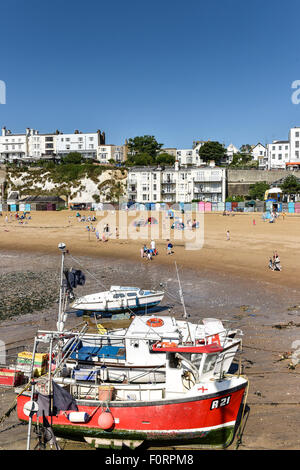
point(90, 353)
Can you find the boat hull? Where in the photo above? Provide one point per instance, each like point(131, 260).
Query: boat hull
point(208, 420)
point(98, 304)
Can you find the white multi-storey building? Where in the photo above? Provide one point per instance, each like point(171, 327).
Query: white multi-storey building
point(107, 153)
point(190, 157)
point(33, 146)
point(174, 184)
point(230, 151)
point(260, 153)
point(13, 146)
point(278, 154)
point(294, 140)
point(84, 143)
point(40, 145)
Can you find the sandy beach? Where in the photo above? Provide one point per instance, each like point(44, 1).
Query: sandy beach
point(246, 254)
point(228, 279)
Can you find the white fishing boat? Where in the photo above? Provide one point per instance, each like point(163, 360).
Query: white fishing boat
point(118, 299)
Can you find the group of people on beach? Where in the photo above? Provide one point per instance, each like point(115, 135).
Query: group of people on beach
point(149, 252)
point(85, 219)
point(152, 251)
point(274, 262)
point(18, 217)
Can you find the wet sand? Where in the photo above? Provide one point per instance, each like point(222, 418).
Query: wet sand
point(242, 292)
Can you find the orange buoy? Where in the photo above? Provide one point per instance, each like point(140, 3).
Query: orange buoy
point(106, 420)
point(153, 322)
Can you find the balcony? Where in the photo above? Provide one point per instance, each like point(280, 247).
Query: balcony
point(207, 190)
point(170, 180)
point(169, 191)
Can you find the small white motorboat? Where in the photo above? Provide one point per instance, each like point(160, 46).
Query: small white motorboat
point(118, 299)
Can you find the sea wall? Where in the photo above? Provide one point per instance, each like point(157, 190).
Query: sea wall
point(239, 181)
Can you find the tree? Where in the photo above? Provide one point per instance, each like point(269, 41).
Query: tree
point(240, 159)
point(140, 159)
point(146, 144)
point(145, 151)
point(246, 148)
point(212, 151)
point(290, 185)
point(257, 190)
point(165, 158)
point(72, 157)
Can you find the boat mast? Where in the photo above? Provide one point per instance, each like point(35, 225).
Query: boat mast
point(185, 315)
point(60, 320)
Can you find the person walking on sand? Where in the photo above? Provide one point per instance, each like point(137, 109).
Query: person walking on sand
point(169, 248)
point(227, 235)
point(271, 263)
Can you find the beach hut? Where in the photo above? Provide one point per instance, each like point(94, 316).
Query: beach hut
point(201, 206)
point(51, 206)
point(228, 207)
point(41, 203)
point(221, 206)
point(241, 206)
point(13, 198)
point(234, 206)
point(207, 207)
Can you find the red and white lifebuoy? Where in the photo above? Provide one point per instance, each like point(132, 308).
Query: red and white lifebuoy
point(154, 322)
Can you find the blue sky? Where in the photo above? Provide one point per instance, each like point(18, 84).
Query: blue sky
point(181, 71)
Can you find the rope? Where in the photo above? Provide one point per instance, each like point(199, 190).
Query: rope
point(240, 429)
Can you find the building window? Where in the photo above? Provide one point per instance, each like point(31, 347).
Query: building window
point(296, 134)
